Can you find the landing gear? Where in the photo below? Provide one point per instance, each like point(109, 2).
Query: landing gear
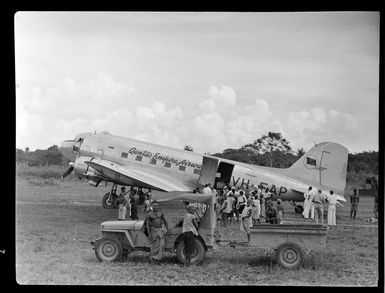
point(298, 208)
point(109, 198)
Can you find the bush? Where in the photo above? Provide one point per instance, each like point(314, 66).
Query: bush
point(48, 172)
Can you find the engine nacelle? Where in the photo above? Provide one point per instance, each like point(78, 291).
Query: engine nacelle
point(82, 170)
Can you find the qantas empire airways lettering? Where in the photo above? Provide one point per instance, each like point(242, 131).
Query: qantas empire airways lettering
point(163, 158)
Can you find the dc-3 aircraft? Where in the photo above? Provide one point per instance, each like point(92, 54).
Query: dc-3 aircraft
point(101, 157)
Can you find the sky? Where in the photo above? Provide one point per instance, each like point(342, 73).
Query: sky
point(207, 79)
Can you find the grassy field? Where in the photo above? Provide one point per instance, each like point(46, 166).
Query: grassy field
point(56, 220)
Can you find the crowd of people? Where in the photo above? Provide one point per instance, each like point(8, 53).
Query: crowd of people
point(129, 206)
point(231, 203)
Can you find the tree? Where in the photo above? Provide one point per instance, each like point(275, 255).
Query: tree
point(188, 147)
point(269, 144)
point(300, 152)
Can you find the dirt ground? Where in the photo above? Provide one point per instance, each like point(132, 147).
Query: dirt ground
point(56, 220)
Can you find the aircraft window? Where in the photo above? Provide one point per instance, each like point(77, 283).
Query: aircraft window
point(138, 158)
point(167, 165)
point(124, 155)
point(197, 171)
point(182, 168)
point(311, 161)
point(111, 147)
point(153, 161)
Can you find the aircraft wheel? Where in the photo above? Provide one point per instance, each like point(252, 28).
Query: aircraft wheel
point(108, 249)
point(289, 255)
point(197, 256)
point(106, 201)
point(298, 209)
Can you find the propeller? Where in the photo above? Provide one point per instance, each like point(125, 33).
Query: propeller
point(70, 169)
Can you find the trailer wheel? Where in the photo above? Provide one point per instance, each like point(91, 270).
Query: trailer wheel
point(289, 255)
point(108, 249)
point(197, 256)
point(106, 201)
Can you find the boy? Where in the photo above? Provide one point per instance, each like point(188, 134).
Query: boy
point(280, 211)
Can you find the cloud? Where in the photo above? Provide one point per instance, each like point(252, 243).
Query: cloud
point(224, 94)
point(305, 127)
point(74, 98)
point(103, 103)
point(159, 125)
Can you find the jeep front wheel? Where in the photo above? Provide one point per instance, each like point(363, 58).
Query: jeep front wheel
point(108, 249)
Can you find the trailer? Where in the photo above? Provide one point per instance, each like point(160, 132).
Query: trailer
point(289, 243)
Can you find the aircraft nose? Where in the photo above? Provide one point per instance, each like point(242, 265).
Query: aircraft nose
point(66, 149)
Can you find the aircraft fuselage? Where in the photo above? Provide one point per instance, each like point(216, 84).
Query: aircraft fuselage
point(184, 166)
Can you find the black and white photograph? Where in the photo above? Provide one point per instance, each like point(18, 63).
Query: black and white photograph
point(181, 148)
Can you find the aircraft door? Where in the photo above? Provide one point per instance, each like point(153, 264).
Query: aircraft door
point(225, 171)
point(208, 171)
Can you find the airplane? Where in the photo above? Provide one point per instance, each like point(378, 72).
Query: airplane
point(123, 161)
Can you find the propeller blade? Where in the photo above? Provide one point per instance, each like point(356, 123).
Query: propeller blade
point(66, 173)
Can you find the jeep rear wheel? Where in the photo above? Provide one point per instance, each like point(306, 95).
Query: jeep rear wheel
point(289, 255)
point(197, 256)
point(108, 249)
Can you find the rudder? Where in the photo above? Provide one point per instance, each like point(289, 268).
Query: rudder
point(323, 166)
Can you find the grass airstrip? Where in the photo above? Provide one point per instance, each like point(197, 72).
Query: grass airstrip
point(56, 220)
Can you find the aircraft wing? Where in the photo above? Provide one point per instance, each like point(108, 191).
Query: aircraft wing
point(116, 172)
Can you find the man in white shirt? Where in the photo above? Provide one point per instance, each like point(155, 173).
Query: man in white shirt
point(313, 192)
point(332, 201)
point(307, 203)
point(318, 201)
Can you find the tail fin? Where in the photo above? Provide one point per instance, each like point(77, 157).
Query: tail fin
point(324, 166)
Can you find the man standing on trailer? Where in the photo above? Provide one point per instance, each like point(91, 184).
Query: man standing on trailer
point(246, 221)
